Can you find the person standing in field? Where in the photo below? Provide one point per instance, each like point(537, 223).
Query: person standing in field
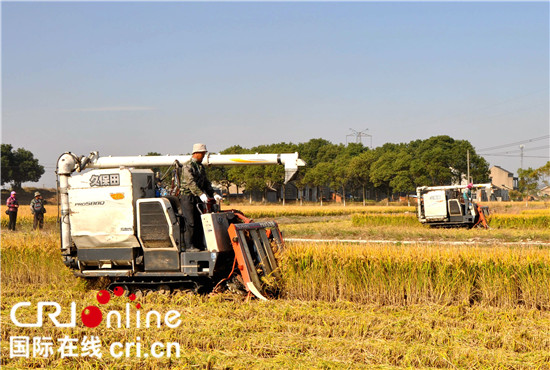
point(467, 195)
point(195, 188)
point(38, 210)
point(13, 206)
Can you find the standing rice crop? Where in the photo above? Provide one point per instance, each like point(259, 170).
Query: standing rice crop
point(544, 211)
point(273, 211)
point(385, 220)
point(32, 258)
point(523, 221)
point(415, 274)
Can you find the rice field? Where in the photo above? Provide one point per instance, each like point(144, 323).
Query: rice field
point(260, 211)
point(343, 305)
point(523, 221)
point(544, 211)
point(497, 221)
point(418, 274)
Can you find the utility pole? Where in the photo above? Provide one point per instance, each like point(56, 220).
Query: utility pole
point(521, 167)
point(521, 155)
point(468, 164)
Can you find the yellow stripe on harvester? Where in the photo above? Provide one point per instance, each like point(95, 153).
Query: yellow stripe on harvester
point(247, 160)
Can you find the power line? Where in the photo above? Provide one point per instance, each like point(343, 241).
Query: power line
point(48, 167)
point(516, 143)
point(485, 108)
point(519, 150)
point(515, 156)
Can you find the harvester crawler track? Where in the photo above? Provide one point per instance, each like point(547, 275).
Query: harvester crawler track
point(164, 286)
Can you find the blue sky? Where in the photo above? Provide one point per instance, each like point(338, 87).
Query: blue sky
point(129, 78)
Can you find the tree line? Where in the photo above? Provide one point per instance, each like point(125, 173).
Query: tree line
point(390, 168)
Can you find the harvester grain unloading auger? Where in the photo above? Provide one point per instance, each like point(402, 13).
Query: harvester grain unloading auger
point(113, 226)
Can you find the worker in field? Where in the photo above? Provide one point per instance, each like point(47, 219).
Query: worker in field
point(38, 210)
point(13, 207)
point(195, 188)
point(467, 195)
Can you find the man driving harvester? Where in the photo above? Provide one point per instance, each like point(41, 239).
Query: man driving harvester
point(195, 188)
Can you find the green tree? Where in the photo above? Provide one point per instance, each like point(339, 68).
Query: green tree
point(236, 175)
point(434, 160)
point(528, 182)
point(320, 176)
point(359, 171)
point(219, 175)
point(312, 152)
point(544, 173)
point(382, 171)
point(19, 166)
point(441, 160)
point(273, 176)
point(253, 179)
point(402, 180)
point(340, 174)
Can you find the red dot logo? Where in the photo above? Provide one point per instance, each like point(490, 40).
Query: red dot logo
point(91, 316)
point(103, 297)
point(118, 291)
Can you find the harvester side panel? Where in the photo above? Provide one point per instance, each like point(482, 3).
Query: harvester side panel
point(102, 207)
point(215, 232)
point(435, 205)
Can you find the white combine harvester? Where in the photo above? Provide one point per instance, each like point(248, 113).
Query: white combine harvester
point(446, 206)
point(112, 225)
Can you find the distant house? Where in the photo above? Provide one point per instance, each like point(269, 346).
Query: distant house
point(503, 181)
point(545, 192)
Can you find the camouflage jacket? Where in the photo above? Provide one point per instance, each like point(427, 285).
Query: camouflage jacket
point(194, 179)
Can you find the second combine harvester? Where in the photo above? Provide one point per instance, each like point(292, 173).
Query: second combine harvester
point(113, 226)
point(447, 206)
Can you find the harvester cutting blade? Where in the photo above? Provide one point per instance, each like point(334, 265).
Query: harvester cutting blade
point(254, 253)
